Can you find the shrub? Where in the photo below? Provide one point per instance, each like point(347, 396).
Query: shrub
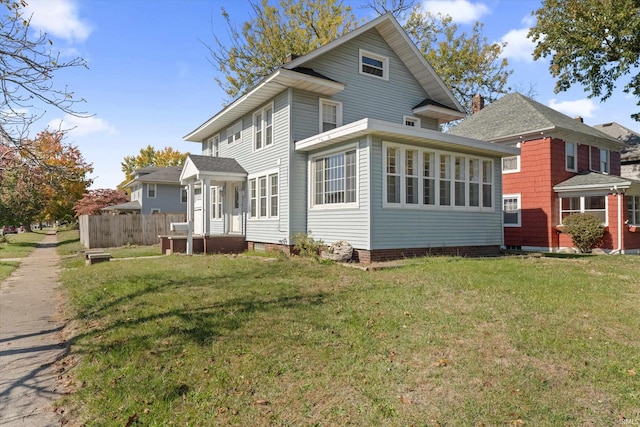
point(586, 230)
point(306, 245)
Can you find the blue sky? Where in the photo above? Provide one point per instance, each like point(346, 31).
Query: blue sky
point(149, 80)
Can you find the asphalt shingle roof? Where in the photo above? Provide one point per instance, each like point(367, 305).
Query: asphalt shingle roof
point(160, 174)
point(515, 114)
point(626, 135)
point(591, 179)
point(216, 164)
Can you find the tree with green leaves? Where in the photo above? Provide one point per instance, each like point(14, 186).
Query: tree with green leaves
point(274, 31)
point(27, 69)
point(149, 156)
point(593, 43)
point(467, 63)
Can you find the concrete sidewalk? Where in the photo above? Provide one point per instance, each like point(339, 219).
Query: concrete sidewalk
point(31, 339)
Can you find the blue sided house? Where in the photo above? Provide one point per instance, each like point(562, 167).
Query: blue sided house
point(344, 143)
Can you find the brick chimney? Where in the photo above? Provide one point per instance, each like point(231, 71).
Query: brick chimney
point(290, 57)
point(477, 103)
point(580, 119)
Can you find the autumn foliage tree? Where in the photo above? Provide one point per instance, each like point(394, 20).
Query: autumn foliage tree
point(43, 180)
point(149, 156)
point(273, 32)
point(95, 200)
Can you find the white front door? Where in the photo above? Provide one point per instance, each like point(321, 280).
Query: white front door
point(234, 200)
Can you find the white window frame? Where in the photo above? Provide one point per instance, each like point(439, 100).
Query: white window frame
point(517, 159)
point(633, 210)
point(234, 133)
point(605, 164)
point(575, 156)
point(265, 128)
point(518, 211)
point(383, 59)
point(214, 147)
point(313, 184)
point(327, 102)
point(184, 196)
point(261, 206)
point(582, 208)
point(415, 122)
point(216, 203)
point(155, 191)
point(441, 172)
point(155, 211)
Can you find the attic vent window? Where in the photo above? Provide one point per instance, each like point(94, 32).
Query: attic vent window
point(374, 65)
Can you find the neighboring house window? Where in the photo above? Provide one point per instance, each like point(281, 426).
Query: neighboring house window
point(183, 195)
point(234, 133)
point(263, 128)
point(413, 122)
point(511, 210)
point(416, 177)
point(155, 211)
point(594, 205)
point(511, 164)
point(334, 178)
point(263, 196)
point(330, 115)
point(570, 156)
point(604, 161)
point(151, 191)
point(633, 204)
point(374, 65)
point(216, 202)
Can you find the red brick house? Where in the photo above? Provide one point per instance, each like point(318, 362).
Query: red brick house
point(564, 167)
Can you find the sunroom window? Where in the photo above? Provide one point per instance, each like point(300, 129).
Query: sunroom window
point(594, 205)
point(633, 205)
point(334, 178)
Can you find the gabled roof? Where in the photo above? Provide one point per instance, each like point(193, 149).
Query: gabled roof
point(127, 206)
point(594, 181)
point(157, 175)
point(515, 117)
point(294, 74)
point(626, 135)
point(214, 168)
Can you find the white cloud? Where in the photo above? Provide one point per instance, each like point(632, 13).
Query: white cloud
point(460, 11)
point(83, 126)
point(518, 47)
point(581, 107)
point(58, 18)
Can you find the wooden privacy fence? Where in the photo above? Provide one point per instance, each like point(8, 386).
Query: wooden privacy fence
point(108, 231)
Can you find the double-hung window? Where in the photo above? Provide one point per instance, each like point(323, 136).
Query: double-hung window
point(604, 161)
point(421, 177)
point(216, 202)
point(234, 133)
point(212, 146)
point(374, 65)
point(633, 205)
point(511, 164)
point(330, 115)
point(334, 178)
point(263, 196)
point(263, 127)
point(151, 191)
point(183, 195)
point(511, 210)
point(570, 154)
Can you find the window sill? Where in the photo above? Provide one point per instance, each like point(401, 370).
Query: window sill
point(634, 228)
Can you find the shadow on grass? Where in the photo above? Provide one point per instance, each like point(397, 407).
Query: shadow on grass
point(191, 318)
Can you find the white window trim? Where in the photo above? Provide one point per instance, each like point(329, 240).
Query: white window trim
point(215, 198)
point(338, 106)
point(518, 197)
point(517, 169)
point(383, 59)
point(312, 179)
point(415, 120)
point(264, 121)
point(635, 208)
point(575, 156)
point(213, 145)
point(401, 162)
point(608, 161)
point(155, 191)
point(582, 208)
point(232, 131)
point(256, 176)
point(155, 211)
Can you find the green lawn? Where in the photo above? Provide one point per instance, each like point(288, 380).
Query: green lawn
point(216, 340)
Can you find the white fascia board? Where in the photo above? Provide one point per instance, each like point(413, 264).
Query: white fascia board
point(395, 130)
point(593, 187)
point(437, 109)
